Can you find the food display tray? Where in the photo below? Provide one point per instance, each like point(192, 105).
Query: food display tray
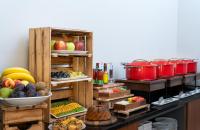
point(145, 107)
point(84, 110)
point(67, 79)
point(127, 107)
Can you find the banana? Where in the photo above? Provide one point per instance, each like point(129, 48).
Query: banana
point(21, 76)
point(8, 71)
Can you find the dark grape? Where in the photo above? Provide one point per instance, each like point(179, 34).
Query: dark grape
point(19, 87)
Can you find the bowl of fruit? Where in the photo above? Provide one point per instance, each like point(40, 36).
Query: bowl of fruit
point(18, 88)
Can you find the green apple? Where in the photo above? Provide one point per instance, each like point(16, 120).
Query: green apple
point(52, 44)
point(5, 92)
point(70, 46)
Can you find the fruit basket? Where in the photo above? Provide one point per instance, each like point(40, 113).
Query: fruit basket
point(66, 108)
point(25, 101)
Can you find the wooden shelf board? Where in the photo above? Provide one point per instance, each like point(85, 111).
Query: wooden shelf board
point(65, 55)
point(55, 83)
point(110, 85)
point(69, 30)
point(112, 99)
point(132, 110)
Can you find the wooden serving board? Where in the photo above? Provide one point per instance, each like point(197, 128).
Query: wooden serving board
point(102, 123)
point(105, 86)
point(112, 99)
point(127, 112)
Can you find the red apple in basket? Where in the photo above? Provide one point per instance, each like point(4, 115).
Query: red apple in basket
point(60, 45)
point(79, 46)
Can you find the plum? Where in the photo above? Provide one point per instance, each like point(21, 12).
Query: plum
point(19, 87)
point(30, 87)
point(18, 94)
point(31, 93)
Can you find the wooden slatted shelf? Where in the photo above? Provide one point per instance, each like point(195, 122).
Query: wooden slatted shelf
point(106, 86)
point(42, 57)
point(112, 99)
point(55, 83)
point(77, 55)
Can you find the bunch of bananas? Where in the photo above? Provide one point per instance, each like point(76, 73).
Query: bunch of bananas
point(17, 73)
point(65, 108)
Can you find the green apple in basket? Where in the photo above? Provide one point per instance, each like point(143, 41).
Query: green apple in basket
point(70, 46)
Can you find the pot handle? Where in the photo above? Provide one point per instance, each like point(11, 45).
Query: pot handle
point(173, 59)
point(159, 59)
point(139, 60)
point(129, 66)
point(124, 63)
point(189, 59)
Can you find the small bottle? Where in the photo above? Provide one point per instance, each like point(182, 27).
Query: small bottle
point(111, 73)
point(100, 77)
point(105, 74)
point(97, 74)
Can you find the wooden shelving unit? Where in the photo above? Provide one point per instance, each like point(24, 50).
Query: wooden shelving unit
point(41, 57)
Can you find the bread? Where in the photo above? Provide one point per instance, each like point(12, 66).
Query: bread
point(98, 113)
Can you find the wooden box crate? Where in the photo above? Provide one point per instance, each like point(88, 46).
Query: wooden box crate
point(41, 60)
point(12, 117)
point(35, 126)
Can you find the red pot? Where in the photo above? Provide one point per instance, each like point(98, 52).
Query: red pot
point(180, 67)
point(165, 69)
point(140, 70)
point(191, 65)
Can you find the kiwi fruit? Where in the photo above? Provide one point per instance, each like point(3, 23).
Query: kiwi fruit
point(40, 86)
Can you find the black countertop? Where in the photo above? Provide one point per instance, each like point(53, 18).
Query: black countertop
point(153, 113)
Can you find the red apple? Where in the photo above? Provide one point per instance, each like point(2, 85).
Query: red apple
point(79, 45)
point(8, 83)
point(17, 82)
point(60, 45)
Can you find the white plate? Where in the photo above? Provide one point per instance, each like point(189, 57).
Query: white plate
point(25, 101)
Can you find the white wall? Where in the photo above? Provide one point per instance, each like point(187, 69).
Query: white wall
point(189, 29)
point(123, 30)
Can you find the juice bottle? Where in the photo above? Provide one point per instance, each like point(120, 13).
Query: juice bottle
point(105, 74)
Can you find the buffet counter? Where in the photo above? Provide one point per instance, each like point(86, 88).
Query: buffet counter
point(183, 111)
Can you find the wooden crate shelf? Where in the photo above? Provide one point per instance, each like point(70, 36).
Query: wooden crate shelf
point(12, 117)
point(77, 55)
point(55, 83)
point(41, 59)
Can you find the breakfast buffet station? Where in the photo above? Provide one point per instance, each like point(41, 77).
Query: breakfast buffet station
point(63, 90)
